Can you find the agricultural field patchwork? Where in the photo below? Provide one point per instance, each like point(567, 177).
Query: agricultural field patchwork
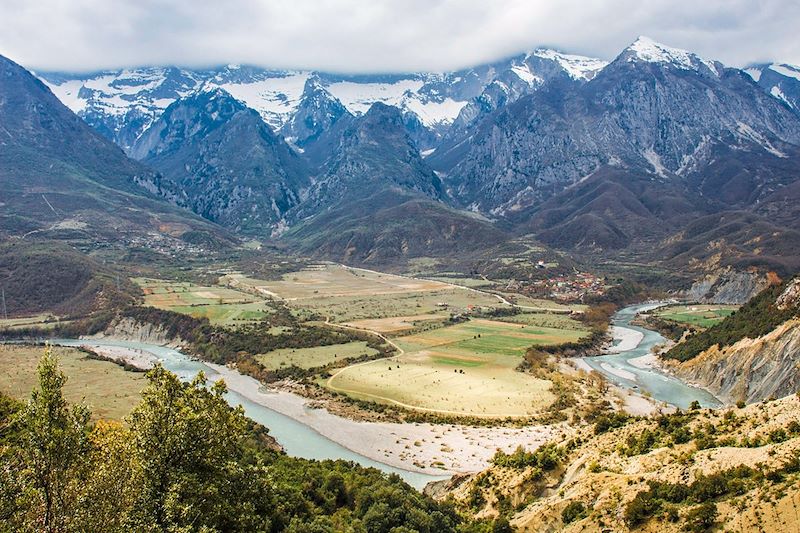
point(221, 305)
point(344, 295)
point(315, 357)
point(105, 387)
point(703, 316)
point(465, 369)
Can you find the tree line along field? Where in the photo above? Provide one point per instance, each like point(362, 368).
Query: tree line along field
point(220, 305)
point(108, 389)
point(698, 315)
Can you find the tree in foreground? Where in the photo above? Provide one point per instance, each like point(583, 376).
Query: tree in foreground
point(183, 461)
point(53, 446)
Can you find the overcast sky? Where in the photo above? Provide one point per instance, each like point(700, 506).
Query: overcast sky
point(382, 35)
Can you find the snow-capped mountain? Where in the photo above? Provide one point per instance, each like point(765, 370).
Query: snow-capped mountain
point(646, 49)
point(655, 110)
point(576, 151)
point(780, 80)
point(122, 104)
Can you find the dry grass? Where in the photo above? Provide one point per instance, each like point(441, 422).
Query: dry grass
point(108, 390)
point(314, 357)
point(466, 369)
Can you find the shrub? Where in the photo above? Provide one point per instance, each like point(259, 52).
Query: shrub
point(701, 518)
point(607, 422)
point(573, 511)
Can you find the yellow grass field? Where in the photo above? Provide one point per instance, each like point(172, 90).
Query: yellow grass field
point(314, 357)
point(335, 280)
point(109, 390)
point(395, 324)
point(466, 369)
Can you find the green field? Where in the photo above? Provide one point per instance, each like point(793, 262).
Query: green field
point(108, 389)
point(221, 305)
point(703, 316)
point(465, 369)
point(316, 357)
point(548, 320)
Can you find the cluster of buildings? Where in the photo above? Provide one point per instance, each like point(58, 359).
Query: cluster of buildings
point(569, 288)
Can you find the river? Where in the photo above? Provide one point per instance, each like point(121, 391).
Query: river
point(620, 370)
point(296, 438)
point(300, 440)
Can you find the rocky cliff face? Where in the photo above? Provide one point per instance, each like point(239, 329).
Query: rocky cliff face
point(752, 369)
point(654, 110)
point(132, 330)
point(727, 287)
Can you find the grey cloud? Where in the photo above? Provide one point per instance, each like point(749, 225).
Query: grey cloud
point(381, 35)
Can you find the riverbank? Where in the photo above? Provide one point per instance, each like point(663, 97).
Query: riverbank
point(430, 449)
point(623, 398)
point(630, 364)
point(441, 448)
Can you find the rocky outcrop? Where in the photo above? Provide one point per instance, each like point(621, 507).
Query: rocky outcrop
point(727, 287)
point(752, 369)
point(132, 330)
point(790, 297)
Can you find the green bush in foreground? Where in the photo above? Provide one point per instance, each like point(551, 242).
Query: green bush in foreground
point(184, 462)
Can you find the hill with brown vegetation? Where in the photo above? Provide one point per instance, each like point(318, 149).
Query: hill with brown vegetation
point(730, 469)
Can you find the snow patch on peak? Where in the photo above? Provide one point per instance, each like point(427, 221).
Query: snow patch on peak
point(753, 72)
point(524, 73)
point(646, 49)
point(777, 93)
point(790, 71)
point(578, 67)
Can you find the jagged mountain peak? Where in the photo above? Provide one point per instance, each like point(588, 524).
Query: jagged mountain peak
point(577, 67)
point(647, 50)
point(194, 115)
point(316, 113)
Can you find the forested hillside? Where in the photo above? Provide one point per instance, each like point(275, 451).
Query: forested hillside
point(763, 313)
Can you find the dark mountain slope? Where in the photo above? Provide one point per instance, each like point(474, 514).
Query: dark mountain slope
point(368, 155)
point(61, 179)
point(378, 202)
point(407, 226)
point(52, 277)
point(225, 163)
